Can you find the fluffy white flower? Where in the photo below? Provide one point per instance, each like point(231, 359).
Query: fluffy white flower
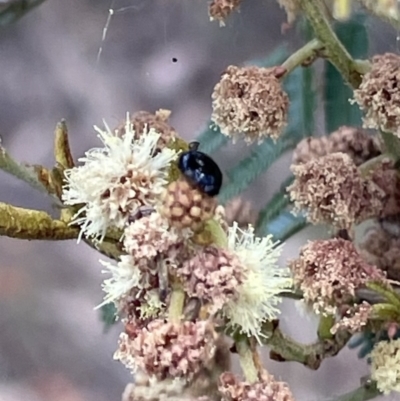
point(125, 276)
point(385, 365)
point(114, 181)
point(257, 297)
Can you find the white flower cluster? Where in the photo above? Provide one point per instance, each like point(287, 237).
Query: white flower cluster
point(116, 180)
point(258, 295)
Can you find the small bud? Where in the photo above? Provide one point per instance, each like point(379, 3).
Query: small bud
point(186, 206)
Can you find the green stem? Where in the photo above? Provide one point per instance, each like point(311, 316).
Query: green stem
point(32, 175)
point(367, 391)
point(246, 361)
point(284, 348)
point(334, 50)
point(176, 304)
point(308, 52)
point(325, 325)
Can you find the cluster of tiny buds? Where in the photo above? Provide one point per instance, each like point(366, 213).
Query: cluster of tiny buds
point(171, 339)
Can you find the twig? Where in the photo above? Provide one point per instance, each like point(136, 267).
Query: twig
point(365, 392)
point(333, 48)
point(306, 54)
point(36, 176)
point(284, 348)
point(16, 222)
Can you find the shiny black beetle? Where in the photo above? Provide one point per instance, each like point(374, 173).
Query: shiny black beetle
point(200, 170)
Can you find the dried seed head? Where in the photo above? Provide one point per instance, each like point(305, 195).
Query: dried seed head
point(213, 275)
point(333, 191)
point(267, 389)
point(329, 271)
point(221, 9)
point(387, 178)
point(168, 350)
point(385, 365)
point(379, 94)
point(383, 250)
point(310, 148)
point(250, 101)
point(143, 121)
point(186, 206)
point(355, 142)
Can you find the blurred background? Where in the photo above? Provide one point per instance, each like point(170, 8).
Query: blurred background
point(155, 54)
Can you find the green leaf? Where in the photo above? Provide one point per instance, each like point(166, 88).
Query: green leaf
point(274, 207)
point(247, 170)
point(299, 86)
point(284, 225)
point(108, 315)
point(338, 111)
point(211, 138)
point(15, 10)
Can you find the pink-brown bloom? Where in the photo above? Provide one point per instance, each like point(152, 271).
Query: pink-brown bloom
point(379, 94)
point(267, 389)
point(151, 236)
point(213, 275)
point(143, 121)
point(328, 272)
point(332, 191)
point(168, 350)
point(249, 102)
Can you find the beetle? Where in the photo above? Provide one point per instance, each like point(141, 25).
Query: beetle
point(201, 170)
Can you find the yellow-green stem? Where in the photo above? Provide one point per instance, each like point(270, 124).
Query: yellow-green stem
point(308, 51)
point(175, 308)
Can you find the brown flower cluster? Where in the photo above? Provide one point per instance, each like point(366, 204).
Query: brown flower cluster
point(249, 102)
point(143, 121)
point(329, 271)
point(168, 350)
point(213, 275)
point(385, 175)
point(267, 389)
point(379, 94)
point(332, 191)
point(221, 9)
point(355, 142)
